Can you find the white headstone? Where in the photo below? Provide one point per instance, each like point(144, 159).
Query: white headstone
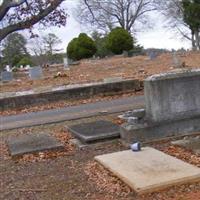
point(8, 68)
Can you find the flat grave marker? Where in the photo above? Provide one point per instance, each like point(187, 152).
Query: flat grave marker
point(6, 76)
point(35, 73)
point(149, 170)
point(32, 143)
point(94, 131)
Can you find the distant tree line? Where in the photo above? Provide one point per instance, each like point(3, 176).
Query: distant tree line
point(113, 24)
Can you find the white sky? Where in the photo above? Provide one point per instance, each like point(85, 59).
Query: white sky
point(156, 37)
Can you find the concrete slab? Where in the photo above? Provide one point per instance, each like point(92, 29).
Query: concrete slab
point(149, 170)
point(189, 143)
point(94, 131)
point(32, 144)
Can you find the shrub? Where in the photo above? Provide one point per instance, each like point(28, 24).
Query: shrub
point(81, 47)
point(24, 61)
point(119, 40)
point(100, 41)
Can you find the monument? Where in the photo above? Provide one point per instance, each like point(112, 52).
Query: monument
point(6, 76)
point(172, 103)
point(66, 63)
point(35, 73)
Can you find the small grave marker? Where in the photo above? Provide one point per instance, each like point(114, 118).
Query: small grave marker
point(175, 60)
point(94, 131)
point(35, 73)
point(8, 68)
point(32, 144)
point(6, 76)
point(66, 64)
point(152, 55)
point(125, 54)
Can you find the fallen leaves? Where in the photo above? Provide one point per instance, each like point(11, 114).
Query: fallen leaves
point(105, 181)
point(138, 67)
point(182, 154)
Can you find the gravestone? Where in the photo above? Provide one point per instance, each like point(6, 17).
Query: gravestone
point(176, 62)
point(125, 54)
point(35, 73)
point(94, 131)
point(66, 64)
point(8, 68)
point(70, 61)
point(32, 143)
point(172, 95)
point(152, 55)
point(6, 76)
point(172, 102)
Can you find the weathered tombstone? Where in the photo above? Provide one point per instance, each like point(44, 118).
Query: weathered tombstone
point(6, 76)
point(94, 131)
point(175, 60)
point(172, 95)
point(35, 73)
point(70, 61)
point(152, 55)
point(33, 143)
point(125, 54)
point(66, 64)
point(172, 107)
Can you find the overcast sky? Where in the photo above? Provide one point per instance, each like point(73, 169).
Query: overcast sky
point(156, 37)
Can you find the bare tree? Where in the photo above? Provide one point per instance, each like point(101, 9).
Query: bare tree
point(51, 41)
point(174, 15)
point(17, 15)
point(107, 14)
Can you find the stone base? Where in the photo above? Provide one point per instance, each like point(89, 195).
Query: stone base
point(147, 132)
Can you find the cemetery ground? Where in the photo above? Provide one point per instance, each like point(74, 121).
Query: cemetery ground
point(72, 173)
point(95, 70)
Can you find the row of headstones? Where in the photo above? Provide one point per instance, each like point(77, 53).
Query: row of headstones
point(34, 72)
point(176, 62)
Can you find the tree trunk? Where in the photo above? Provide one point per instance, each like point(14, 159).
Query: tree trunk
point(197, 38)
point(193, 42)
